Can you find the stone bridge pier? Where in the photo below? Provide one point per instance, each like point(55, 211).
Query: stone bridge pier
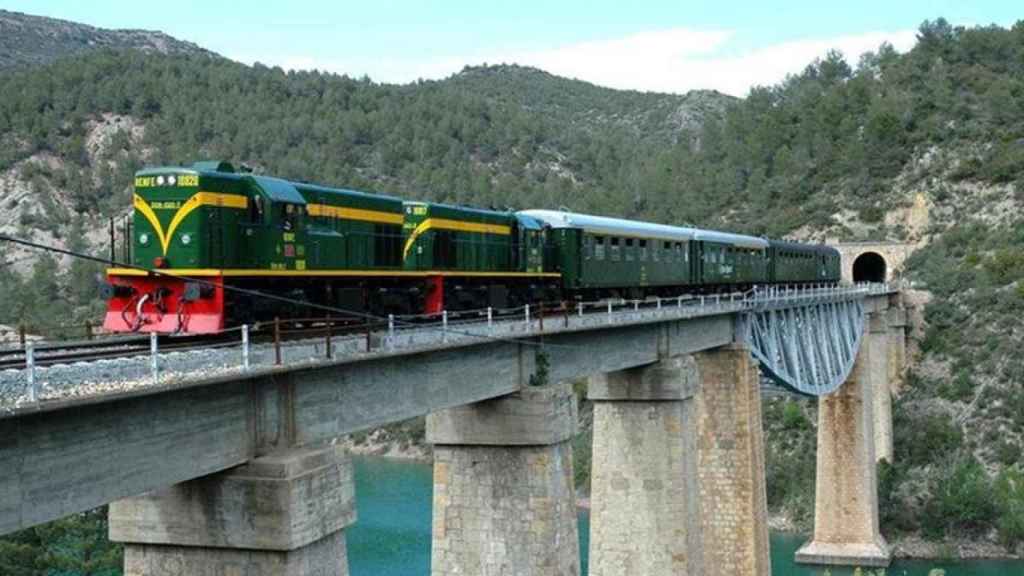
point(504, 489)
point(283, 514)
point(678, 468)
point(854, 432)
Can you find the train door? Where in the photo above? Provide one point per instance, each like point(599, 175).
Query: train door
point(214, 234)
point(255, 233)
point(290, 241)
point(530, 251)
point(534, 251)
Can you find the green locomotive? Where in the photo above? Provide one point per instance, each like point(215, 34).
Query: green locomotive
point(199, 229)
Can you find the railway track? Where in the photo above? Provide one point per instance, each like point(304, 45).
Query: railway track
point(49, 354)
point(111, 347)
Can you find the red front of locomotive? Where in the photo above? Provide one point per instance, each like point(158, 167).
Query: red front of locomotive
point(147, 302)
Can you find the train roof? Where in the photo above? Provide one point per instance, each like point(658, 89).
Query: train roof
point(455, 210)
point(609, 226)
point(622, 227)
point(278, 190)
point(799, 246)
point(394, 203)
point(741, 240)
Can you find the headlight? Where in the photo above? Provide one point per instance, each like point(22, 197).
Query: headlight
point(186, 239)
point(143, 238)
point(171, 180)
point(159, 180)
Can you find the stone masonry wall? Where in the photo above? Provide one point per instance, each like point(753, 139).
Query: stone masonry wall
point(507, 511)
point(846, 497)
point(731, 464)
point(645, 517)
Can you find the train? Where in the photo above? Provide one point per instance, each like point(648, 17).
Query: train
point(208, 242)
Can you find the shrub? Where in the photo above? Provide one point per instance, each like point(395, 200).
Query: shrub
point(961, 502)
point(1007, 452)
point(959, 389)
point(894, 514)
point(793, 417)
point(924, 439)
point(1009, 492)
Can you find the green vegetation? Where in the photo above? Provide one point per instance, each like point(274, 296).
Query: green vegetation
point(31, 40)
point(790, 459)
point(74, 545)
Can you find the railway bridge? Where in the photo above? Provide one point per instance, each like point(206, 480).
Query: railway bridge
point(221, 461)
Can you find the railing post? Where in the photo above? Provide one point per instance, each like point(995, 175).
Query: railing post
point(565, 312)
point(277, 340)
point(327, 344)
point(490, 319)
point(679, 301)
point(527, 312)
point(609, 311)
point(153, 356)
point(30, 367)
point(21, 336)
point(579, 309)
point(369, 335)
point(658, 299)
point(88, 330)
point(636, 305)
point(245, 346)
point(444, 326)
point(540, 315)
point(391, 332)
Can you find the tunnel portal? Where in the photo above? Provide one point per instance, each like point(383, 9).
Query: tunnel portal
point(869, 267)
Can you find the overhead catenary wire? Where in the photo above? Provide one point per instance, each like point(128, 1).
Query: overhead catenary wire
point(268, 296)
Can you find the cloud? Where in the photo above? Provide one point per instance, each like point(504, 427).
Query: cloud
point(672, 60)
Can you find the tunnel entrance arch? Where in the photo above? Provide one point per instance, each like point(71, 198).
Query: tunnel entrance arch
point(869, 267)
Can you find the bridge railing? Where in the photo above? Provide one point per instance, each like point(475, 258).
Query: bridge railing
point(36, 383)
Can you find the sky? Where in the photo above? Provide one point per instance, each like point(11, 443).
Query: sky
point(656, 45)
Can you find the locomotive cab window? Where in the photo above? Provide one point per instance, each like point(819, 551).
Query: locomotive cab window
point(256, 209)
point(290, 216)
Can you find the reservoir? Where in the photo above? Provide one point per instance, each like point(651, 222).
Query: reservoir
point(392, 535)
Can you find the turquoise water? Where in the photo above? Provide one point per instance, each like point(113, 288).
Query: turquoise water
point(392, 534)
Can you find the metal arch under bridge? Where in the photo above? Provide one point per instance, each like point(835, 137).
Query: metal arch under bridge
point(806, 340)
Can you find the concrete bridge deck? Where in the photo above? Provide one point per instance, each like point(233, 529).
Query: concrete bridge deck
point(72, 454)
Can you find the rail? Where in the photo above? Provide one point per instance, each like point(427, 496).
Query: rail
point(41, 371)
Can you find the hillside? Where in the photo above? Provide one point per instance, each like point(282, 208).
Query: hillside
point(561, 101)
point(27, 40)
point(926, 147)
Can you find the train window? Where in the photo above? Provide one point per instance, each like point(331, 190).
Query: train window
point(629, 242)
point(256, 210)
point(668, 245)
point(643, 249)
point(599, 248)
point(615, 241)
point(287, 217)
